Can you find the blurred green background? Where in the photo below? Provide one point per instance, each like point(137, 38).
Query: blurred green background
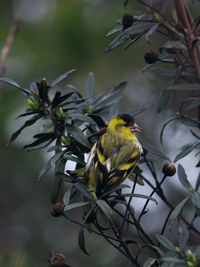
point(54, 37)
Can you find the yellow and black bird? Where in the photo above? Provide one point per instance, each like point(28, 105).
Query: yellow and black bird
point(114, 156)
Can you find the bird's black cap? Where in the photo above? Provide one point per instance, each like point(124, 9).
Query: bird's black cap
point(127, 118)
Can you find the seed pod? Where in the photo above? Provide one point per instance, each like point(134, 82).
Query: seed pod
point(127, 21)
point(151, 57)
point(57, 260)
point(169, 170)
point(57, 210)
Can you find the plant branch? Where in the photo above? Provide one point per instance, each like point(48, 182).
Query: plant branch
point(9, 40)
point(89, 228)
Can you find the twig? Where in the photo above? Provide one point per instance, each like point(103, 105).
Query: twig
point(9, 40)
point(154, 190)
point(129, 202)
point(89, 229)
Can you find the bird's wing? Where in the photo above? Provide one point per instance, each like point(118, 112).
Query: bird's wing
point(122, 163)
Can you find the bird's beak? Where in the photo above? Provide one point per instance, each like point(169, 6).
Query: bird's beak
point(136, 128)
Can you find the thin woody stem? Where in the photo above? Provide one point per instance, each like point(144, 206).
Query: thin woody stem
point(9, 40)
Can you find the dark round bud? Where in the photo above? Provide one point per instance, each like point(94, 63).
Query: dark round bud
point(57, 210)
point(151, 57)
point(91, 217)
point(57, 260)
point(127, 21)
point(169, 170)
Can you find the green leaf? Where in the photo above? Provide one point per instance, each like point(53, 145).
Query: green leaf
point(177, 210)
point(61, 78)
point(76, 205)
point(116, 29)
point(114, 189)
point(26, 124)
point(186, 149)
point(67, 195)
point(152, 149)
point(78, 135)
point(175, 45)
point(183, 236)
point(49, 164)
point(13, 83)
point(137, 30)
point(81, 117)
point(83, 189)
point(81, 241)
point(110, 95)
point(90, 86)
point(196, 200)
point(173, 260)
point(197, 183)
point(136, 111)
point(106, 209)
point(163, 99)
point(183, 178)
point(140, 196)
point(146, 67)
point(99, 121)
point(150, 262)
point(164, 72)
point(166, 242)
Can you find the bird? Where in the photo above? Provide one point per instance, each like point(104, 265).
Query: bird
point(114, 156)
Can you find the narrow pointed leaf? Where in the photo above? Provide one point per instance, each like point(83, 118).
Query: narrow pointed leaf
point(83, 189)
point(116, 29)
point(164, 72)
point(106, 209)
point(196, 200)
point(173, 260)
point(26, 124)
point(99, 121)
point(152, 149)
point(166, 242)
point(67, 195)
point(150, 262)
point(58, 100)
point(41, 138)
point(185, 150)
point(90, 86)
point(82, 117)
point(13, 83)
point(183, 178)
point(136, 111)
point(81, 241)
point(76, 205)
point(163, 99)
point(114, 189)
point(140, 196)
point(177, 211)
point(61, 78)
point(78, 135)
point(49, 164)
point(183, 236)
